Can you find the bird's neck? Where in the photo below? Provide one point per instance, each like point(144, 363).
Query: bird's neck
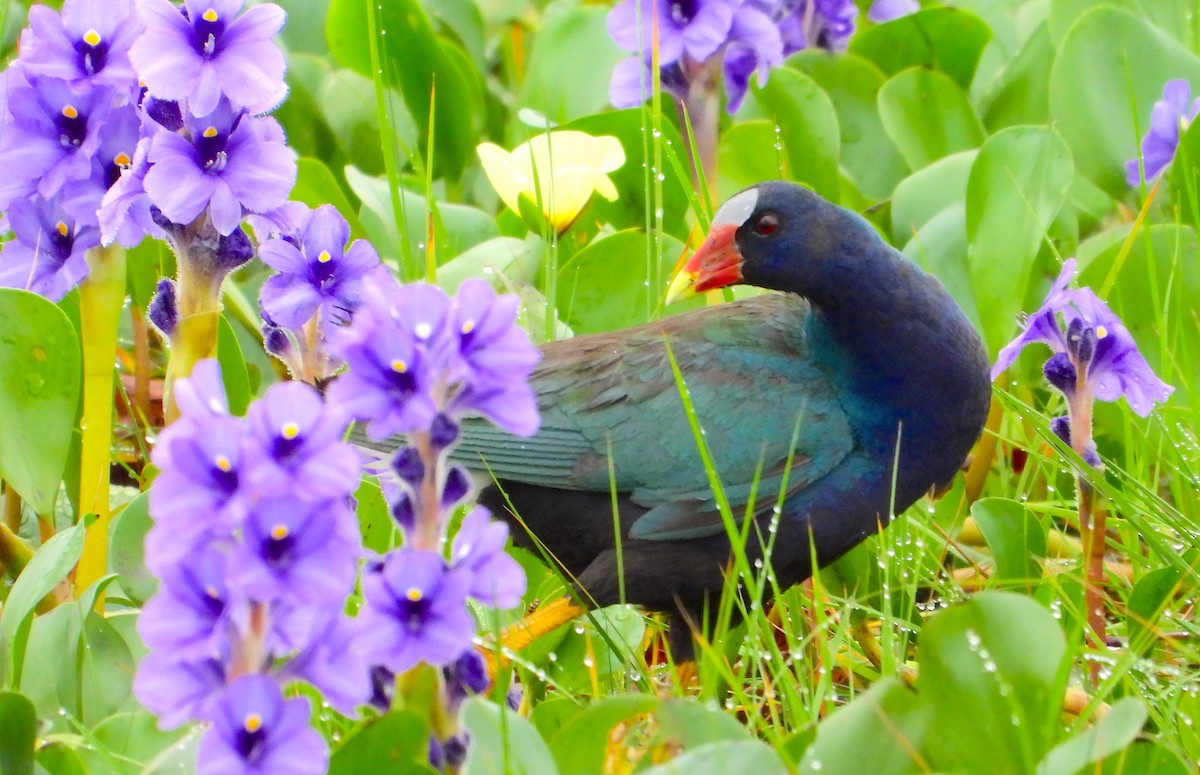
point(907, 363)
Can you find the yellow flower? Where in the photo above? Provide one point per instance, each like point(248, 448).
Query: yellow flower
point(569, 167)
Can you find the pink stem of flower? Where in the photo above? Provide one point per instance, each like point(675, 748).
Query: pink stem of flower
point(1091, 519)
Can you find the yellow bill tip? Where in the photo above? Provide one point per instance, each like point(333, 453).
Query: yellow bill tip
point(683, 286)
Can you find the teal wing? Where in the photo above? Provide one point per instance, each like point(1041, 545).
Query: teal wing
point(612, 416)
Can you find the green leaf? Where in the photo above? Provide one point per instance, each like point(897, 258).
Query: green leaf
point(18, 730)
point(316, 185)
point(465, 226)
point(233, 368)
point(502, 742)
point(1143, 757)
point(106, 669)
point(1018, 183)
point(1016, 539)
point(724, 757)
point(929, 191)
point(395, 743)
point(1170, 16)
point(808, 127)
point(587, 656)
point(374, 518)
point(1151, 595)
point(1184, 176)
point(1111, 68)
point(927, 115)
point(603, 287)
point(1115, 730)
point(126, 550)
point(570, 63)
point(502, 261)
point(890, 715)
point(135, 734)
point(579, 745)
point(989, 669)
point(946, 39)
point(58, 758)
point(415, 60)
point(49, 566)
point(39, 394)
point(1021, 93)
point(749, 152)
point(686, 723)
point(870, 158)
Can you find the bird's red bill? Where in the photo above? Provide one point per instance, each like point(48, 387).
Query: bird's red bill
point(717, 263)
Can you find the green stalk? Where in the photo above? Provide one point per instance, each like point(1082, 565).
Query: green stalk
point(195, 335)
point(14, 553)
point(101, 298)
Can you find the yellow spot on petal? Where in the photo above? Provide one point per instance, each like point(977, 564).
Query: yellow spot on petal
point(399, 366)
point(423, 330)
point(122, 159)
point(70, 112)
point(1101, 332)
point(210, 15)
point(253, 723)
point(92, 38)
point(468, 326)
point(414, 594)
point(280, 532)
point(212, 592)
point(223, 463)
point(290, 430)
point(210, 132)
point(61, 228)
point(324, 257)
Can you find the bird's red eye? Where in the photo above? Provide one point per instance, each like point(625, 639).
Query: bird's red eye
point(766, 225)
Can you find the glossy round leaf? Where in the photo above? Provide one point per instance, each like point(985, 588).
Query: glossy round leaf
point(1110, 69)
point(928, 116)
point(39, 393)
point(1018, 183)
point(989, 669)
point(946, 39)
point(868, 155)
point(808, 128)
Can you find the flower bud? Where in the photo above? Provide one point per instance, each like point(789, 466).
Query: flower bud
point(1060, 373)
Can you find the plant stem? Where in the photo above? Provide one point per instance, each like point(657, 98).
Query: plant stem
point(427, 512)
point(14, 553)
point(101, 298)
point(12, 508)
point(141, 366)
point(1091, 519)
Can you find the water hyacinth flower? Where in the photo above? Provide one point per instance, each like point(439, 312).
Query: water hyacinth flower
point(737, 37)
point(1099, 356)
point(554, 173)
point(415, 610)
point(1168, 120)
point(255, 730)
point(204, 50)
point(51, 132)
point(47, 256)
point(86, 46)
point(229, 163)
point(318, 272)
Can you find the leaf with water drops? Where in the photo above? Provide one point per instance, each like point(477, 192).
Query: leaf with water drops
point(990, 669)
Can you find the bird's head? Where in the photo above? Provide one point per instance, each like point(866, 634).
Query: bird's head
point(770, 235)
